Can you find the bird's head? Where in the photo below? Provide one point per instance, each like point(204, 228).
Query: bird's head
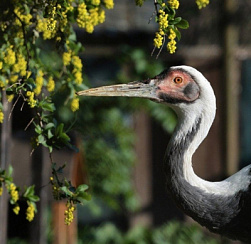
point(181, 87)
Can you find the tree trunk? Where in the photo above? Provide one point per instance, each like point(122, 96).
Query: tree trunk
point(5, 146)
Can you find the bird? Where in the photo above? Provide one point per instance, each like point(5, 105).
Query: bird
point(223, 207)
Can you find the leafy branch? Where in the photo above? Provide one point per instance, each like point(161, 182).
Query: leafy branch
point(28, 194)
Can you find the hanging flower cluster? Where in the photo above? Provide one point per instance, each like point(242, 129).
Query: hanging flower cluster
point(171, 45)
point(169, 24)
point(64, 189)
point(30, 211)
point(69, 216)
point(15, 194)
point(202, 3)
point(12, 189)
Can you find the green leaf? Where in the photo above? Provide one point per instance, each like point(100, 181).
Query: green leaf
point(50, 149)
point(47, 106)
point(29, 191)
point(9, 91)
point(38, 129)
point(49, 134)
point(84, 196)
point(177, 32)
point(10, 171)
point(33, 198)
point(175, 21)
point(183, 24)
point(49, 126)
point(66, 191)
point(59, 129)
point(171, 13)
point(82, 188)
point(41, 139)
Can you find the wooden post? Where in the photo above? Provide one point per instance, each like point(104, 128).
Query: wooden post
point(232, 87)
point(143, 169)
point(63, 234)
point(5, 145)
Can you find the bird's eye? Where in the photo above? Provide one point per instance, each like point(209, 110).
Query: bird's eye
point(178, 80)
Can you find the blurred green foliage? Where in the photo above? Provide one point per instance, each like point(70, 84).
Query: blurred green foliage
point(172, 233)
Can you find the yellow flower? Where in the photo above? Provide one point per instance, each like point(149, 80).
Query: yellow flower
point(158, 40)
point(21, 65)
point(202, 3)
point(74, 104)
point(10, 97)
point(28, 74)
point(30, 212)
point(171, 45)
point(172, 34)
point(28, 93)
point(70, 208)
point(1, 191)
point(25, 18)
point(95, 2)
point(2, 84)
point(16, 209)
point(89, 27)
point(94, 16)
point(174, 4)
point(89, 18)
point(39, 82)
point(139, 2)
point(1, 65)
point(50, 84)
point(3, 26)
point(83, 16)
point(31, 101)
point(163, 22)
point(77, 71)
point(13, 78)
point(109, 4)
point(66, 58)
point(1, 116)
point(101, 17)
point(9, 56)
point(13, 192)
point(76, 61)
point(47, 27)
point(78, 76)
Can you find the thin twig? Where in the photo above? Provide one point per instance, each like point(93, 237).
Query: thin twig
point(50, 155)
point(153, 14)
point(13, 106)
point(32, 151)
point(27, 126)
point(153, 51)
point(161, 47)
point(21, 109)
point(156, 5)
point(24, 98)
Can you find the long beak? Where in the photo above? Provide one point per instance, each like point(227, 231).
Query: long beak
point(145, 89)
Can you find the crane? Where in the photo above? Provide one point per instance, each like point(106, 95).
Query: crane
point(223, 207)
